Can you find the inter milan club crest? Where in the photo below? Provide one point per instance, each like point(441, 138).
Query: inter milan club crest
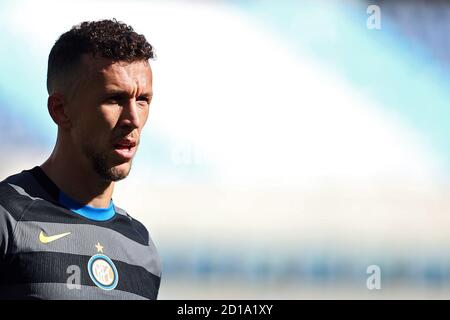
point(102, 270)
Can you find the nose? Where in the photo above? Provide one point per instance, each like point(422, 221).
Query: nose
point(130, 116)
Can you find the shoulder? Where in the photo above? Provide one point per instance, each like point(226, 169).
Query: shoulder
point(138, 228)
point(135, 224)
point(14, 194)
point(12, 205)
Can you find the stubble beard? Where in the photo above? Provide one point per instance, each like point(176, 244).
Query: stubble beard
point(101, 166)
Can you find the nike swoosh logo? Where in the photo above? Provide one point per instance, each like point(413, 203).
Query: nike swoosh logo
point(47, 239)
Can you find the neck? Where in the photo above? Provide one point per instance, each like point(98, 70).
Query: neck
point(76, 178)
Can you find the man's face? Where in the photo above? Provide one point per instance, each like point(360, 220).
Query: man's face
point(108, 109)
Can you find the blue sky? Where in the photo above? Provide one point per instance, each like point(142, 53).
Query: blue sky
point(398, 72)
point(401, 76)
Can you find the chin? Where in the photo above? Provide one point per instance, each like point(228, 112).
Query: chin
point(107, 167)
point(120, 171)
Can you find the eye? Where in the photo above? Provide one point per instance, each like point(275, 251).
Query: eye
point(114, 99)
point(145, 99)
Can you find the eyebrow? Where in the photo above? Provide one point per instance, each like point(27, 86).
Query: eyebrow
point(123, 93)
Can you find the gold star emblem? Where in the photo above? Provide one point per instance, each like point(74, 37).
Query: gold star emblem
point(99, 247)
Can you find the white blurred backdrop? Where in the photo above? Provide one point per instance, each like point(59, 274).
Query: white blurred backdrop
point(289, 147)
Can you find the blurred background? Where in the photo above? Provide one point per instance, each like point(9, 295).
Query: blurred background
point(290, 144)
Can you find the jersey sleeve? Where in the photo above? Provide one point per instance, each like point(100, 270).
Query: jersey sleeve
point(149, 242)
point(7, 224)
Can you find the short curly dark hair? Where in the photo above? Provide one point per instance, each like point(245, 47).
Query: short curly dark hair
point(105, 38)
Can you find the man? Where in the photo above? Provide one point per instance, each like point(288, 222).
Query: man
point(61, 235)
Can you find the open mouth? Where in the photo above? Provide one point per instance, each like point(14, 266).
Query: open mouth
point(125, 149)
point(119, 147)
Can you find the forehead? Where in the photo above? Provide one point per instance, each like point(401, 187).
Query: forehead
point(105, 73)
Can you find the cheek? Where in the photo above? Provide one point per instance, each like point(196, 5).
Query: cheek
point(94, 126)
point(108, 118)
point(144, 116)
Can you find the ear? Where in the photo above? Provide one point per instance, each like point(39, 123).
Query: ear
point(56, 104)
